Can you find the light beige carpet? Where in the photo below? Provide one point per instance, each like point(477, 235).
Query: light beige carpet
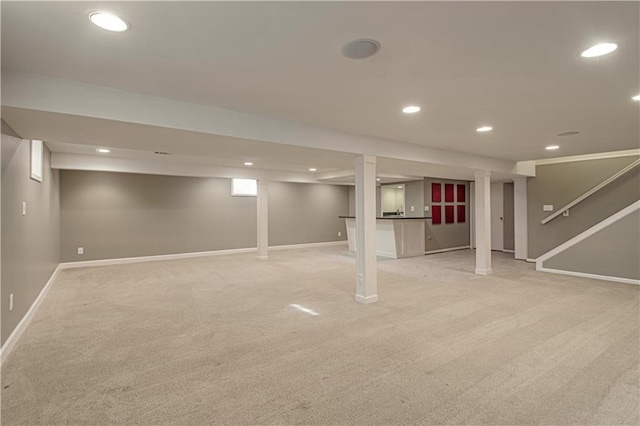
point(215, 340)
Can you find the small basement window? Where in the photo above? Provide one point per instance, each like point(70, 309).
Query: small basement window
point(244, 187)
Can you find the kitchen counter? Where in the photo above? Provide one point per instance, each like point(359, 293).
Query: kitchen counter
point(396, 237)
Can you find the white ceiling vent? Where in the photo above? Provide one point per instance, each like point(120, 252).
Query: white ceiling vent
point(360, 49)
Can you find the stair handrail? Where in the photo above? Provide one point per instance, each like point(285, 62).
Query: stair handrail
point(590, 192)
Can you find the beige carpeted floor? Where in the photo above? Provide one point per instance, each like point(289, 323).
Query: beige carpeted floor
point(215, 340)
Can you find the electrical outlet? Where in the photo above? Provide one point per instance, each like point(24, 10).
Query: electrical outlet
point(426, 208)
point(339, 234)
point(413, 209)
point(24, 208)
point(80, 250)
point(11, 302)
point(565, 213)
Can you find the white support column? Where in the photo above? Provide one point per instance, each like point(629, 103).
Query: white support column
point(263, 219)
point(366, 261)
point(521, 227)
point(483, 222)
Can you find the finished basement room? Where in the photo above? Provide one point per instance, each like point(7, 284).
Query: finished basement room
point(329, 213)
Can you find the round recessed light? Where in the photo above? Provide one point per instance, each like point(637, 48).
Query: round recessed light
point(411, 109)
point(360, 49)
point(636, 98)
point(599, 50)
point(248, 163)
point(313, 169)
point(399, 186)
point(378, 179)
point(103, 151)
point(552, 147)
point(484, 129)
point(108, 21)
point(569, 133)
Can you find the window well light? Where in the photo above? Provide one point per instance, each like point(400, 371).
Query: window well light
point(248, 163)
point(313, 169)
point(552, 147)
point(108, 21)
point(636, 98)
point(411, 109)
point(484, 129)
point(103, 151)
point(599, 50)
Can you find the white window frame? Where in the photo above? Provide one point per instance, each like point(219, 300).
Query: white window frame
point(250, 189)
point(37, 160)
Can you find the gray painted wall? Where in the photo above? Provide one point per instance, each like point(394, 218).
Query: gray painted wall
point(115, 215)
point(31, 243)
point(621, 258)
point(414, 196)
point(508, 215)
point(352, 201)
point(7, 130)
point(446, 235)
point(559, 184)
point(306, 213)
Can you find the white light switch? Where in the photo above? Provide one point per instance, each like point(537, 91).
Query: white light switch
point(426, 208)
point(80, 250)
point(547, 208)
point(24, 208)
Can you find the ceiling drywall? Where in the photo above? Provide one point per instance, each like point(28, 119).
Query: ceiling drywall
point(513, 65)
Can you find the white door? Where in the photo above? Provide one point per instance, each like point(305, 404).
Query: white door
point(497, 219)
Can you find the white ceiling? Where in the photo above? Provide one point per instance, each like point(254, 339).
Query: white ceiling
point(512, 65)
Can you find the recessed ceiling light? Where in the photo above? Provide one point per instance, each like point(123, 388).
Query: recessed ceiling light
point(378, 179)
point(360, 49)
point(599, 50)
point(103, 151)
point(484, 129)
point(108, 21)
point(313, 169)
point(411, 109)
point(248, 163)
point(552, 147)
point(636, 98)
point(399, 186)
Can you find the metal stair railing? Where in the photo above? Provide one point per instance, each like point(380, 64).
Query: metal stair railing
point(590, 192)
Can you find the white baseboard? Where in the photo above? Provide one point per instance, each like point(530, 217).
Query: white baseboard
point(480, 271)
point(366, 299)
point(589, 232)
point(140, 259)
point(24, 322)
point(531, 260)
point(508, 251)
point(592, 276)
point(447, 249)
point(310, 245)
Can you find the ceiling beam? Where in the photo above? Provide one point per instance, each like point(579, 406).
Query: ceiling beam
point(42, 93)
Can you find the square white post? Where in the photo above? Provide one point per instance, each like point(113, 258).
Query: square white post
point(366, 261)
point(483, 222)
point(521, 227)
point(263, 219)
